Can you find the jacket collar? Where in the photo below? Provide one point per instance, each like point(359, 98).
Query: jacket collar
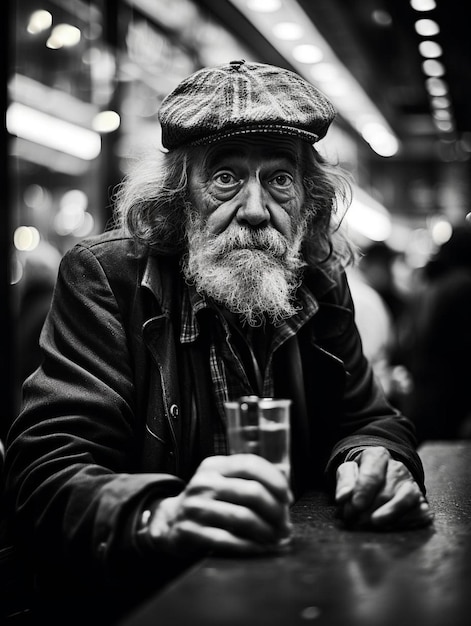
point(163, 273)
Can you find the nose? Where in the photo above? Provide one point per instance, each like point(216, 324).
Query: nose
point(253, 209)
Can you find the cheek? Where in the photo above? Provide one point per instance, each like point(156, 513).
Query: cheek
point(220, 217)
point(202, 199)
point(216, 212)
point(287, 218)
point(297, 207)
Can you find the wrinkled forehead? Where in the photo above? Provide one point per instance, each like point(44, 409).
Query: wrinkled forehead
point(257, 147)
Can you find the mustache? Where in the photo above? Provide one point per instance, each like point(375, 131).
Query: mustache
point(265, 239)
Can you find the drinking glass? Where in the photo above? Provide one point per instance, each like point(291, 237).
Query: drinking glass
point(260, 426)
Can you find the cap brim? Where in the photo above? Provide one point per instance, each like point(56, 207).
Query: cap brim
point(257, 129)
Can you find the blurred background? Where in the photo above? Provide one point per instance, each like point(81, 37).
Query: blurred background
point(83, 81)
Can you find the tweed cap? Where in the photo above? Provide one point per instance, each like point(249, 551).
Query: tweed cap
point(240, 98)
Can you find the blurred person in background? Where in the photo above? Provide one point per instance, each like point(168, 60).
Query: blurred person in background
point(438, 343)
point(34, 295)
point(376, 265)
point(377, 269)
point(226, 277)
point(375, 325)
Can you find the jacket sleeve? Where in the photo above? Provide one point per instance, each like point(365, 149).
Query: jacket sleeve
point(367, 418)
point(71, 459)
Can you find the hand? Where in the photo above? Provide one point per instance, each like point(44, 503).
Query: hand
point(376, 490)
point(236, 504)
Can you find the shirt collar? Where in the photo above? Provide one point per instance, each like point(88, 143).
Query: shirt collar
point(193, 303)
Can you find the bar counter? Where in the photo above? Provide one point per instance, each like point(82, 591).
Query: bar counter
point(333, 576)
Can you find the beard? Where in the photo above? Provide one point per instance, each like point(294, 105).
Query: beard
point(253, 272)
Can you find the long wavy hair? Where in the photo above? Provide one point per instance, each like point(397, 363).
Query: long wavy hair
point(152, 204)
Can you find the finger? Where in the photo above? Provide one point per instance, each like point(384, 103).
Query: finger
point(254, 496)
point(407, 499)
point(251, 466)
point(418, 517)
point(245, 492)
point(218, 540)
point(347, 474)
point(413, 519)
point(396, 474)
point(371, 476)
point(236, 519)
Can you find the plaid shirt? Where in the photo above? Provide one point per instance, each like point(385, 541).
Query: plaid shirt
point(229, 378)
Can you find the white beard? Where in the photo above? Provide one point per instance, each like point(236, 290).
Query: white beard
point(252, 272)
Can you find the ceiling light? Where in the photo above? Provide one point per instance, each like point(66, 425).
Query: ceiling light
point(39, 21)
point(368, 217)
point(337, 88)
point(26, 238)
point(440, 102)
point(436, 86)
point(427, 28)
point(52, 132)
point(423, 5)
point(324, 72)
point(264, 6)
point(289, 31)
point(442, 114)
point(307, 53)
point(75, 198)
point(433, 68)
point(64, 36)
point(444, 125)
point(380, 139)
point(430, 49)
point(441, 231)
point(47, 158)
point(106, 121)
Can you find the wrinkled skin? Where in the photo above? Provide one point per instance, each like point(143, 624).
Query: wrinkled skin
point(236, 504)
point(240, 504)
point(377, 491)
point(250, 183)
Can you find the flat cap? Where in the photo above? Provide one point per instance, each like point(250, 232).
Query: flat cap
point(240, 98)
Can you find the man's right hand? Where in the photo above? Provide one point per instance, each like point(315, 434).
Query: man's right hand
point(237, 504)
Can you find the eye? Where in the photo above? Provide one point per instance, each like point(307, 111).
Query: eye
point(281, 180)
point(225, 178)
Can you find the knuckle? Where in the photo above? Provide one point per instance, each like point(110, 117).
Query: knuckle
point(193, 506)
point(253, 489)
point(204, 481)
point(252, 463)
point(211, 462)
point(398, 471)
point(377, 452)
point(369, 476)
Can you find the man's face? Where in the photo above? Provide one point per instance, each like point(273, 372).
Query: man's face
point(245, 231)
point(249, 181)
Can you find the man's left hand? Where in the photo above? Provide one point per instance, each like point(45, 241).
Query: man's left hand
point(377, 491)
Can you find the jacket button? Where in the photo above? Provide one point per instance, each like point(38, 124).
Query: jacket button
point(174, 411)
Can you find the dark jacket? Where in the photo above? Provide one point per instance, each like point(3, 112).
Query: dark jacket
point(104, 423)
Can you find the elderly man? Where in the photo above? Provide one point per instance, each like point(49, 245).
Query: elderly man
point(225, 278)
